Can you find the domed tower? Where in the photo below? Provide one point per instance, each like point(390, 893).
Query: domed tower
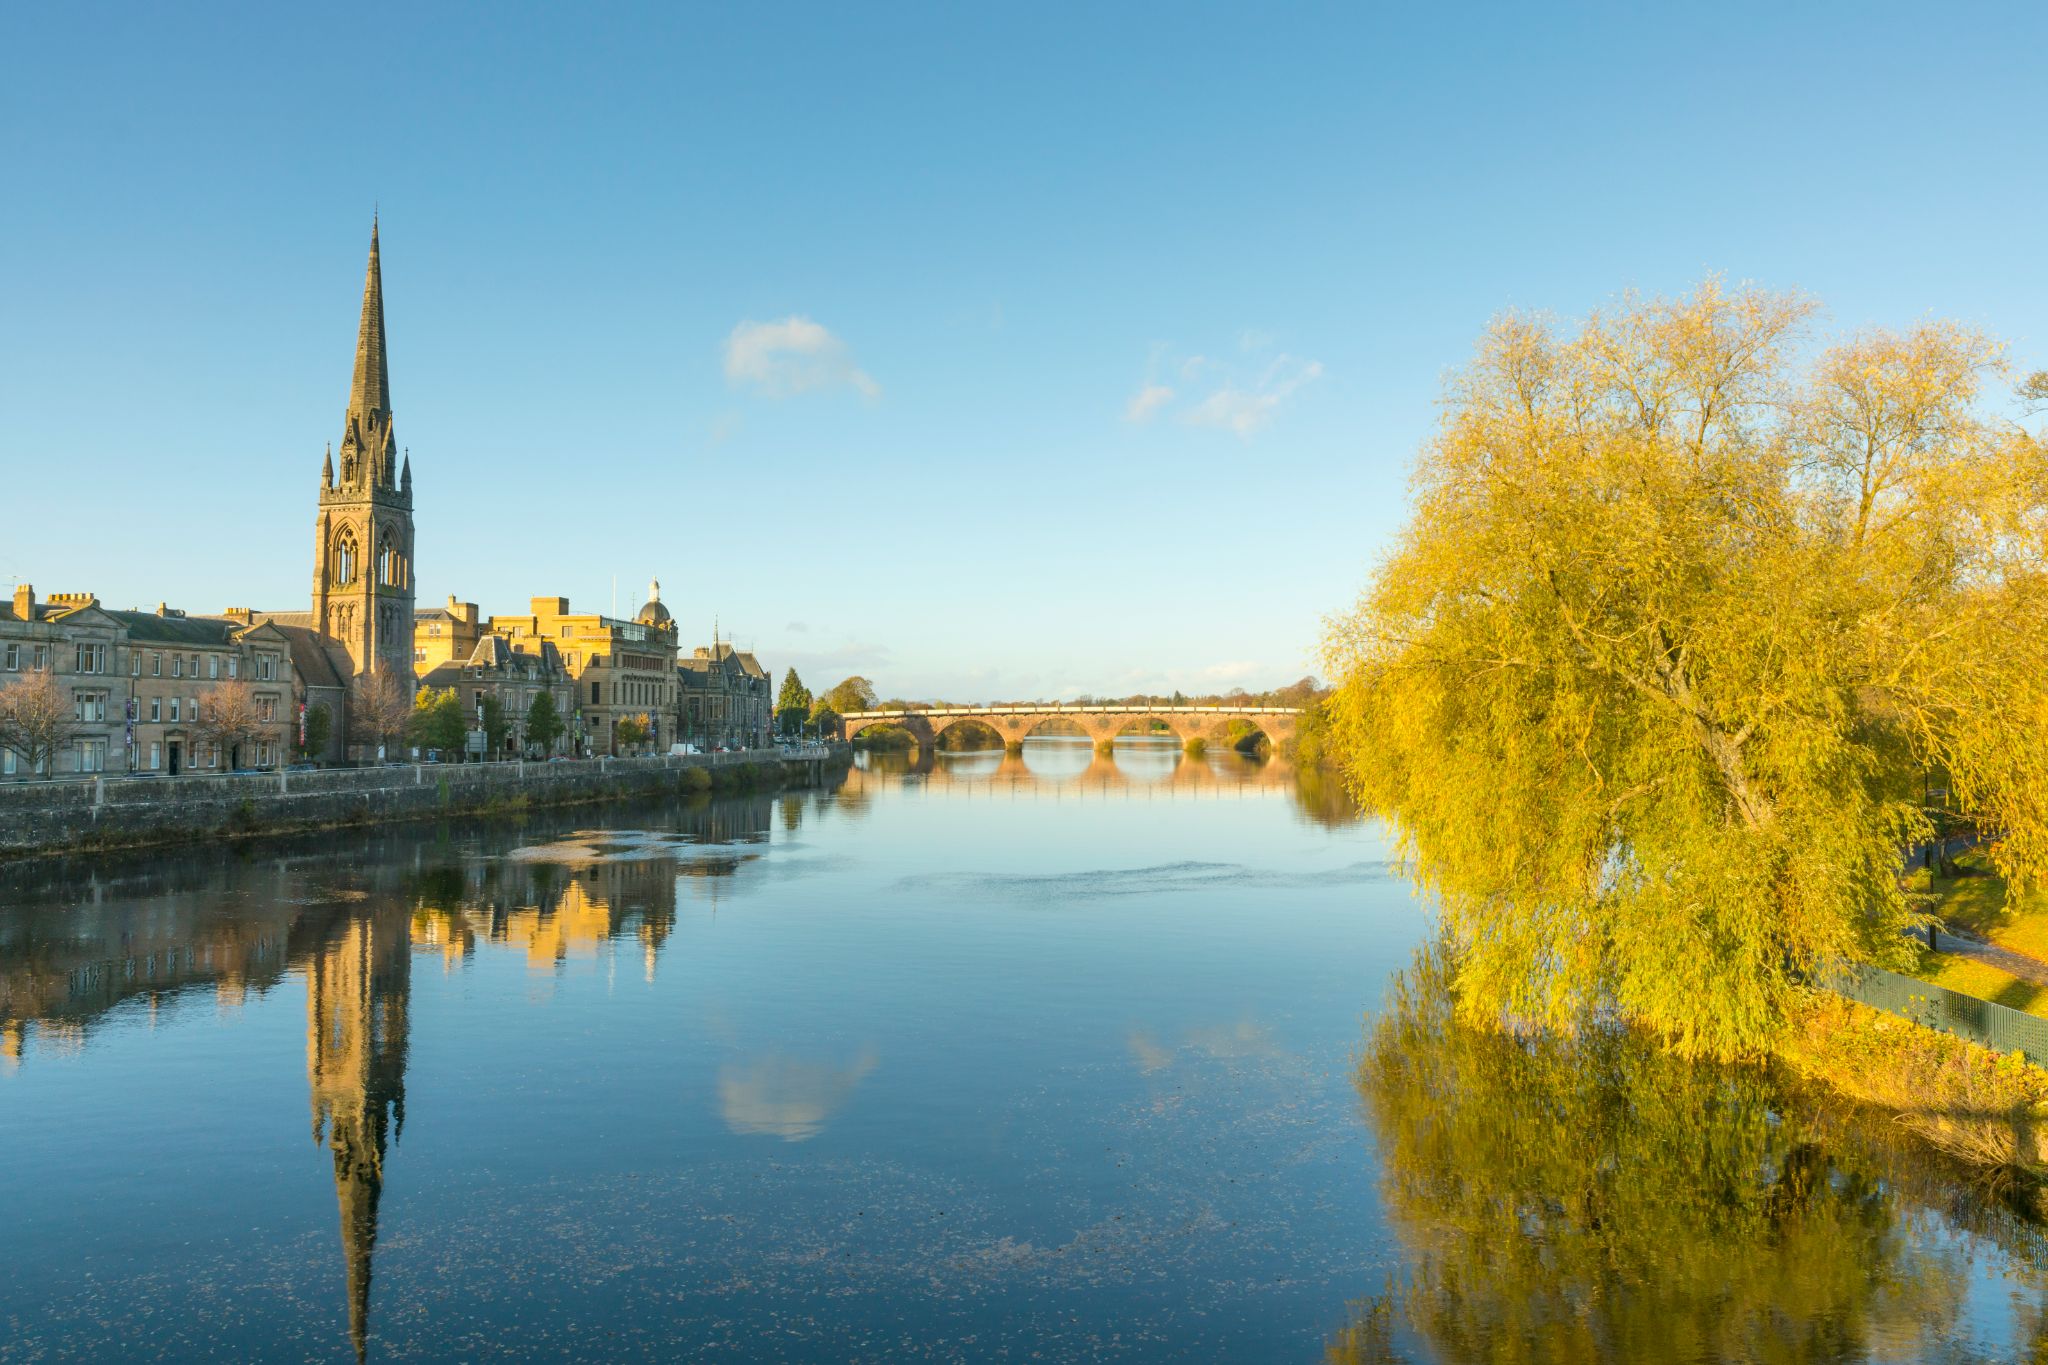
point(363, 532)
point(654, 613)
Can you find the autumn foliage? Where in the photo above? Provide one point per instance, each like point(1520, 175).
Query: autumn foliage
point(1687, 624)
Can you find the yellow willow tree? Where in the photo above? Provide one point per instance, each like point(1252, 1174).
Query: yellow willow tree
point(1658, 676)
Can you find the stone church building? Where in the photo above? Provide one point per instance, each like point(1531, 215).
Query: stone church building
point(359, 632)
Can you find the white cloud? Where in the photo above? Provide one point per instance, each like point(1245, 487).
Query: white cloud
point(831, 664)
point(1233, 671)
point(1226, 395)
point(790, 357)
point(1147, 401)
point(1245, 408)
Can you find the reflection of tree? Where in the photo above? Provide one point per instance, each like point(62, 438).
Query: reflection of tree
point(1319, 795)
point(853, 799)
point(1600, 1200)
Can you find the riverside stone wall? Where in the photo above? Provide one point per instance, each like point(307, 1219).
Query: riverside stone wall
point(119, 811)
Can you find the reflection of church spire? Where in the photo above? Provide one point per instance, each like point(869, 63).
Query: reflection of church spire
point(357, 987)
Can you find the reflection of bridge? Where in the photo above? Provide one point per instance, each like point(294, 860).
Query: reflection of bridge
point(1140, 770)
point(1101, 723)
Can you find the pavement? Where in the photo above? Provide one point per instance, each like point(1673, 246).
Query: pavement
point(2031, 970)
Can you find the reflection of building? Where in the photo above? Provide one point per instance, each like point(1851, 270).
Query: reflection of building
point(358, 985)
point(133, 932)
point(64, 967)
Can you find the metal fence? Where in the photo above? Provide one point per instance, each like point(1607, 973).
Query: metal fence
point(1976, 1020)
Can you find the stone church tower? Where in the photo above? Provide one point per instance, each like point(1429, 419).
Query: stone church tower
point(362, 537)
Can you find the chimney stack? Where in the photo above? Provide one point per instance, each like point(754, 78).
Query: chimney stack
point(25, 601)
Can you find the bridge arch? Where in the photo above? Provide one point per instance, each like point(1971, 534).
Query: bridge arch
point(911, 722)
point(1277, 730)
point(941, 729)
point(1182, 726)
point(1062, 726)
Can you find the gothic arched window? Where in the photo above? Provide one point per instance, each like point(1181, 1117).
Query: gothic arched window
point(345, 556)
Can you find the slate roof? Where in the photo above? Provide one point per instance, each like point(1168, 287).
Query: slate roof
point(494, 653)
point(207, 632)
point(317, 660)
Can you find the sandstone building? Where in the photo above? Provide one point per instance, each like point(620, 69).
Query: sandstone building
point(142, 688)
point(442, 635)
point(723, 698)
point(622, 670)
point(514, 678)
point(175, 663)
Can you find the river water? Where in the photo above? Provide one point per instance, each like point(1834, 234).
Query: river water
point(985, 1058)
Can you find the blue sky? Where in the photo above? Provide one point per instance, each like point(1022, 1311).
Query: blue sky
point(855, 323)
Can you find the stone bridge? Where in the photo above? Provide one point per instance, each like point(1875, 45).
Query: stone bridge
point(1101, 723)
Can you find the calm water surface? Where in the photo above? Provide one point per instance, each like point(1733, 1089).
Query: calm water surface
point(1059, 1057)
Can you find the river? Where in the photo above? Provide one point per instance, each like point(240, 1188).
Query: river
point(1058, 1056)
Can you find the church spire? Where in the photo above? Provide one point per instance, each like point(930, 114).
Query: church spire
point(367, 446)
point(371, 391)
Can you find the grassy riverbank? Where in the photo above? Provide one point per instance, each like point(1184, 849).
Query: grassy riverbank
point(1969, 976)
point(1985, 1108)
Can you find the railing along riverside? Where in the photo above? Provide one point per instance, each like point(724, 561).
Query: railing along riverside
point(1969, 1017)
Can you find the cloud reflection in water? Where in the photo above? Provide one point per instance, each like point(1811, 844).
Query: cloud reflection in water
point(787, 1097)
